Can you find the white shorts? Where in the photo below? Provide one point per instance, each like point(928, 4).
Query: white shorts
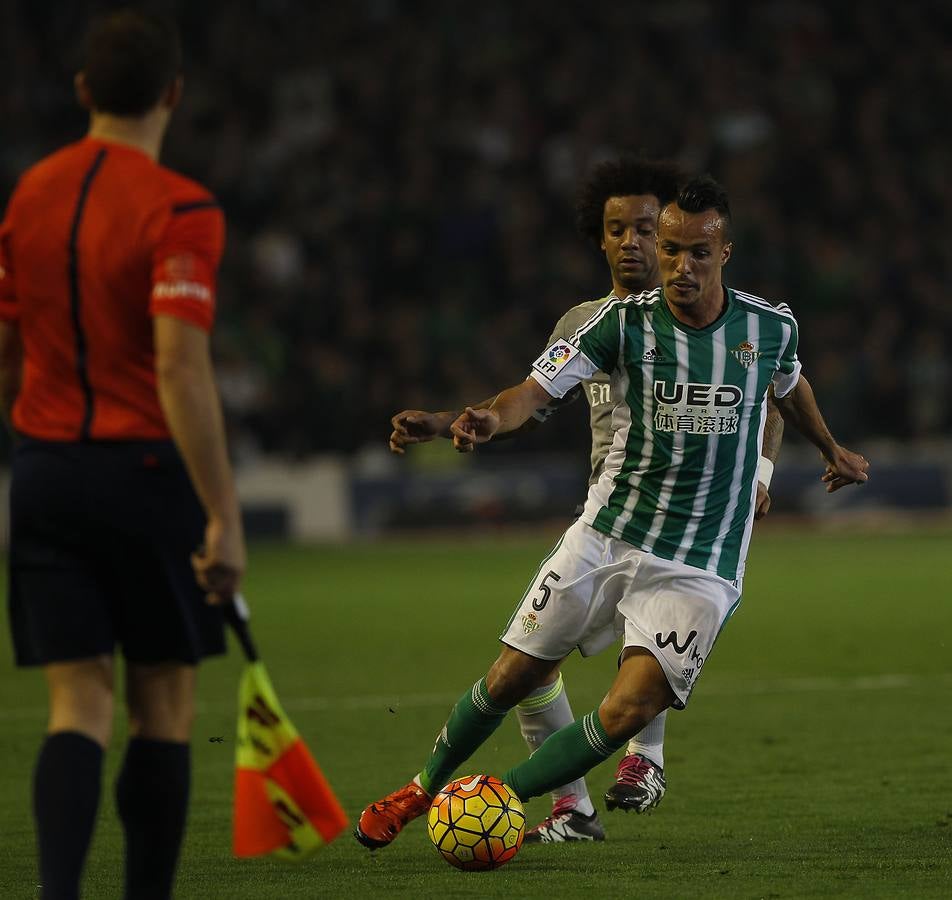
point(592, 589)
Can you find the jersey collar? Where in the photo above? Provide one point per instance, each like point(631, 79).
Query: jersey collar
point(718, 323)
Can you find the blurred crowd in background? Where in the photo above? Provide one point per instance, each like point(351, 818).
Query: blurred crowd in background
point(399, 181)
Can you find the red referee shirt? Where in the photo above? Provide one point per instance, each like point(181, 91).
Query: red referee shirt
point(97, 239)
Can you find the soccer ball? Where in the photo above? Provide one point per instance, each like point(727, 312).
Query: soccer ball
point(476, 823)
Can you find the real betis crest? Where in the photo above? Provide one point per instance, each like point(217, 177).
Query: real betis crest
point(529, 623)
point(745, 354)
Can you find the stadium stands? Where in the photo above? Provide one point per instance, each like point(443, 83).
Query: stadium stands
point(398, 181)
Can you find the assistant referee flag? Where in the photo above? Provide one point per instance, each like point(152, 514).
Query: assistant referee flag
point(283, 804)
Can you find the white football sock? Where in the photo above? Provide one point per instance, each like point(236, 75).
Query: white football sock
point(649, 742)
point(541, 714)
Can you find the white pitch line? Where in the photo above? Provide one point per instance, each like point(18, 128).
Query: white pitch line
point(725, 688)
point(823, 683)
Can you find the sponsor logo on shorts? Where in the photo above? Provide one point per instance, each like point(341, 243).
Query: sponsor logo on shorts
point(672, 638)
point(689, 671)
point(696, 658)
point(554, 359)
point(530, 623)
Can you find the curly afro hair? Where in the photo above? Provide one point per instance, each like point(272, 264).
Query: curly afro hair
point(622, 177)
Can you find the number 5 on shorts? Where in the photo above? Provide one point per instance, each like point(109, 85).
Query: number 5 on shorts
point(538, 603)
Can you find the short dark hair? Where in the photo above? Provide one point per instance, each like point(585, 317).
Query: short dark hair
point(131, 57)
point(623, 177)
point(703, 193)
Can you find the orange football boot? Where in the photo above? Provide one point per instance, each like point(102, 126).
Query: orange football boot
point(382, 821)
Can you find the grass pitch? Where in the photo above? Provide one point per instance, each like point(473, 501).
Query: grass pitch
point(815, 759)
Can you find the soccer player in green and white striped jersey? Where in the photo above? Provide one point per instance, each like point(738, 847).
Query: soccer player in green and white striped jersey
point(617, 211)
point(661, 545)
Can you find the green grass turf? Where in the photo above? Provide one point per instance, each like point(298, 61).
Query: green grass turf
point(814, 760)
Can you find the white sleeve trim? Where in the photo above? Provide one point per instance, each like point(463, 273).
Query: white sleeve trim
point(561, 367)
point(783, 383)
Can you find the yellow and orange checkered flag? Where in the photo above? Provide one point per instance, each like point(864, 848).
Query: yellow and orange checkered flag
point(283, 803)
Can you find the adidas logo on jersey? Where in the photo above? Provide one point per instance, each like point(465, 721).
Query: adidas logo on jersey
point(652, 355)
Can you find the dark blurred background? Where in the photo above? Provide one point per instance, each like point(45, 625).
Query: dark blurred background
point(399, 180)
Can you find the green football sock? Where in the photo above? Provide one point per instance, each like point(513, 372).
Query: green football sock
point(565, 756)
point(472, 720)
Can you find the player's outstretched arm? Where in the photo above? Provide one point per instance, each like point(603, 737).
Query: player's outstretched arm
point(844, 467)
point(189, 399)
point(508, 412)
point(416, 426)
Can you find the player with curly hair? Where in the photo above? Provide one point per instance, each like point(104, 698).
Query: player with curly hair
point(616, 212)
point(659, 552)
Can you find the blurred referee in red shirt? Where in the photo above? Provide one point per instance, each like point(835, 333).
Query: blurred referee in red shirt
point(120, 471)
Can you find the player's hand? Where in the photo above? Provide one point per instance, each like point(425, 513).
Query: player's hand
point(220, 562)
point(415, 426)
point(474, 426)
point(762, 504)
point(844, 467)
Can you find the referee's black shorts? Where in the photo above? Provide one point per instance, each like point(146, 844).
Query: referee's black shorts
point(100, 539)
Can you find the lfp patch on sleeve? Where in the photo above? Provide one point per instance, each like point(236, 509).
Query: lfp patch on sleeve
point(554, 359)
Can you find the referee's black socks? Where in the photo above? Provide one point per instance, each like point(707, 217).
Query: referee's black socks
point(152, 796)
point(66, 786)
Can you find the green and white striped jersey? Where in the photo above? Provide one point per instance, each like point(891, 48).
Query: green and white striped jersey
point(680, 478)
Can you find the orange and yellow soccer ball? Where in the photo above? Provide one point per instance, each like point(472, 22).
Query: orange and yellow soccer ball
point(476, 823)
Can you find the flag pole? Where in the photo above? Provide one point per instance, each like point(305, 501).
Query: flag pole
point(237, 614)
point(283, 804)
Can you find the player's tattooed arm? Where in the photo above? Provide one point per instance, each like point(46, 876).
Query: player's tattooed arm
point(416, 426)
point(508, 412)
point(773, 431)
point(769, 450)
point(542, 414)
point(800, 409)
